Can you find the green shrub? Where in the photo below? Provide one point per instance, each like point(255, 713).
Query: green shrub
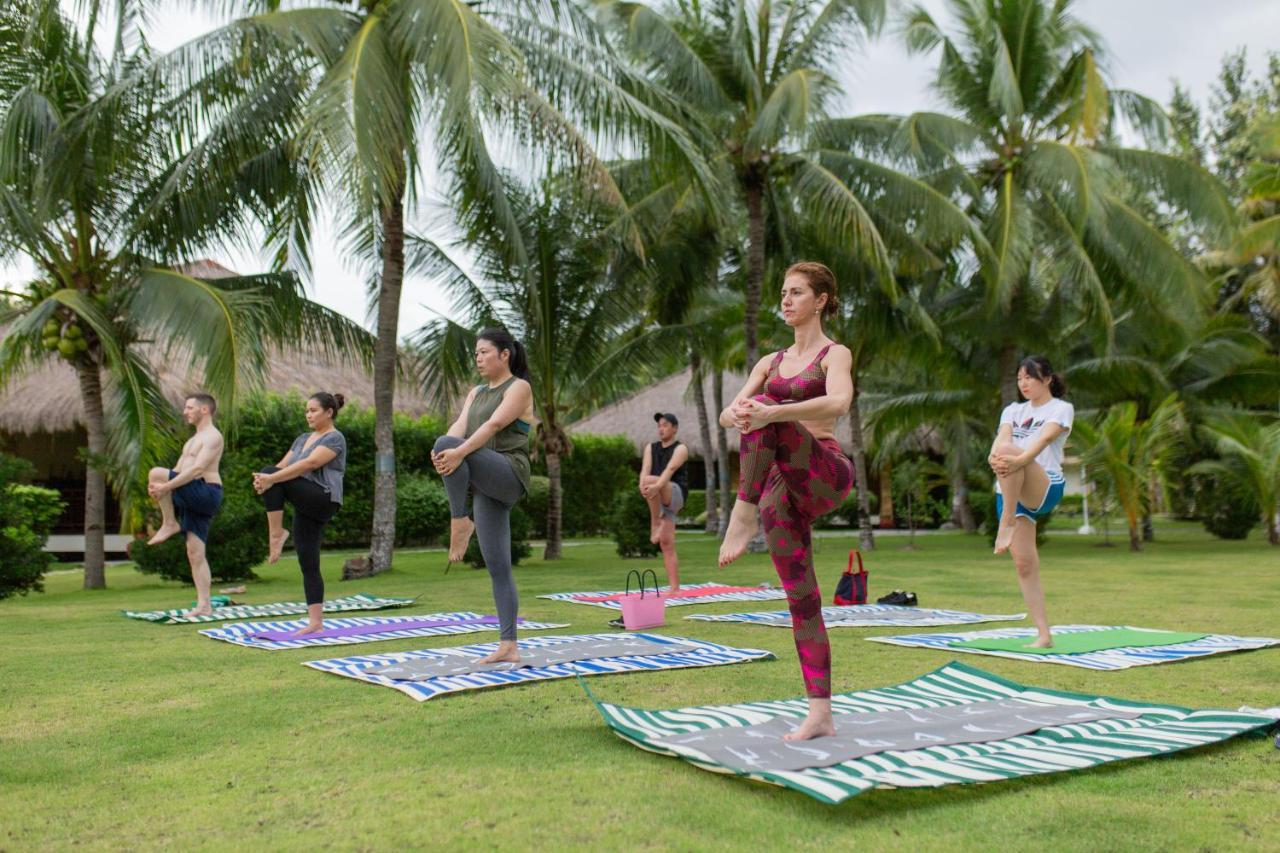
point(422, 510)
point(1225, 511)
point(237, 537)
point(27, 517)
point(695, 504)
point(520, 526)
point(535, 505)
point(1070, 506)
point(590, 477)
point(629, 523)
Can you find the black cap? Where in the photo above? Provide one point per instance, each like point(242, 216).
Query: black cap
point(666, 416)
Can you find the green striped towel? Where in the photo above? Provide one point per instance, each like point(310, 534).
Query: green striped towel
point(1159, 729)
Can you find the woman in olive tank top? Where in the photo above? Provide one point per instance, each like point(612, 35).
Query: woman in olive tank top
point(485, 454)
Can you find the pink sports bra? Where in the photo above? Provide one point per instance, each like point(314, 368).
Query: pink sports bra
point(805, 385)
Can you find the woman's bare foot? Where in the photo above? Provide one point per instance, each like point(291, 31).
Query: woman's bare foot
point(654, 533)
point(198, 611)
point(1004, 538)
point(1041, 643)
point(742, 526)
point(165, 531)
point(275, 546)
point(507, 652)
point(460, 530)
point(312, 628)
point(814, 725)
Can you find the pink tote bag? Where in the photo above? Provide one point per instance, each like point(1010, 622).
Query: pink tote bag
point(643, 609)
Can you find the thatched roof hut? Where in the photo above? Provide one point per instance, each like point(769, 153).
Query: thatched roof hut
point(47, 399)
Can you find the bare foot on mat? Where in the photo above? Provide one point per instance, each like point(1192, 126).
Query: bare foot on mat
point(813, 727)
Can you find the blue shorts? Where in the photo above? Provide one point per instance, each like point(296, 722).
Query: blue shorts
point(195, 504)
point(1051, 500)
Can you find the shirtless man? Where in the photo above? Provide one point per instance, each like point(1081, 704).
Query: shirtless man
point(190, 494)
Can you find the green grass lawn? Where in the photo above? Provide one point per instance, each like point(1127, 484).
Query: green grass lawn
point(122, 734)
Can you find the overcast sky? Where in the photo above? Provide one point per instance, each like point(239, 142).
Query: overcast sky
point(1151, 43)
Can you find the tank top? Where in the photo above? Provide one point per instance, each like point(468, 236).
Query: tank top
point(805, 385)
point(512, 441)
point(660, 458)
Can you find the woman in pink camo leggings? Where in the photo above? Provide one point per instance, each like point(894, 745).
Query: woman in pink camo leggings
point(792, 468)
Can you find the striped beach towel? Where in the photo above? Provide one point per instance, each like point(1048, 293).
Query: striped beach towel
point(688, 595)
point(380, 628)
point(704, 654)
point(865, 616)
point(1159, 729)
point(1111, 659)
point(360, 601)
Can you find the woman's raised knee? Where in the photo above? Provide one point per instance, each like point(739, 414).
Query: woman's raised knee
point(446, 442)
point(158, 475)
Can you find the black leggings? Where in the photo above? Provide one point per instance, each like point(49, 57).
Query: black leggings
point(312, 510)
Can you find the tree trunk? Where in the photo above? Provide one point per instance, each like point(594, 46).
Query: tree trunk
point(704, 433)
point(722, 452)
point(1135, 537)
point(961, 509)
point(866, 539)
point(1153, 498)
point(1273, 530)
point(755, 268)
point(886, 496)
point(95, 482)
point(554, 508)
point(1008, 367)
point(385, 359)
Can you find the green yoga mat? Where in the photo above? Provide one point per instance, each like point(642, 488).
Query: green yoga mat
point(1081, 642)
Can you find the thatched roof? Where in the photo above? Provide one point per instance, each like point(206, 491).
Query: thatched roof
point(47, 399)
point(633, 416)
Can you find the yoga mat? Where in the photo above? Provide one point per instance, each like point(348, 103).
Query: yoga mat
point(589, 648)
point(761, 748)
point(865, 616)
point(1083, 642)
point(1107, 660)
point(676, 653)
point(360, 601)
point(1137, 730)
point(697, 593)
point(361, 629)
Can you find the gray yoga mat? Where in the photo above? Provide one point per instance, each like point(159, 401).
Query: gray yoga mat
point(760, 748)
point(422, 669)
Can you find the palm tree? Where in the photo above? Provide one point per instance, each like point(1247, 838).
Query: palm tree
point(382, 76)
point(1030, 152)
point(1257, 247)
point(578, 328)
point(1124, 451)
point(1251, 459)
point(95, 190)
point(756, 82)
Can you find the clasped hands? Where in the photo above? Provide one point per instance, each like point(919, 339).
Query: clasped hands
point(262, 482)
point(749, 414)
point(447, 461)
point(1005, 464)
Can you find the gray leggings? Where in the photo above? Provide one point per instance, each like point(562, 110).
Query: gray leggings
point(487, 474)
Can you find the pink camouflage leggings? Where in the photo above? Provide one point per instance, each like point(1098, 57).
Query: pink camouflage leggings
point(795, 478)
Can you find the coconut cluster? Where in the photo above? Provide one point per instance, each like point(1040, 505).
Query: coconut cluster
point(66, 337)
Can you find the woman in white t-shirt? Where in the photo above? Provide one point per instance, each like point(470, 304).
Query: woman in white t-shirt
point(1027, 460)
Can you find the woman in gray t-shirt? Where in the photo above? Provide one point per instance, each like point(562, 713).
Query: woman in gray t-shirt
point(310, 478)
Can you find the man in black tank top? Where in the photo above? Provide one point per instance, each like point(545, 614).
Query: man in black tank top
point(664, 482)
